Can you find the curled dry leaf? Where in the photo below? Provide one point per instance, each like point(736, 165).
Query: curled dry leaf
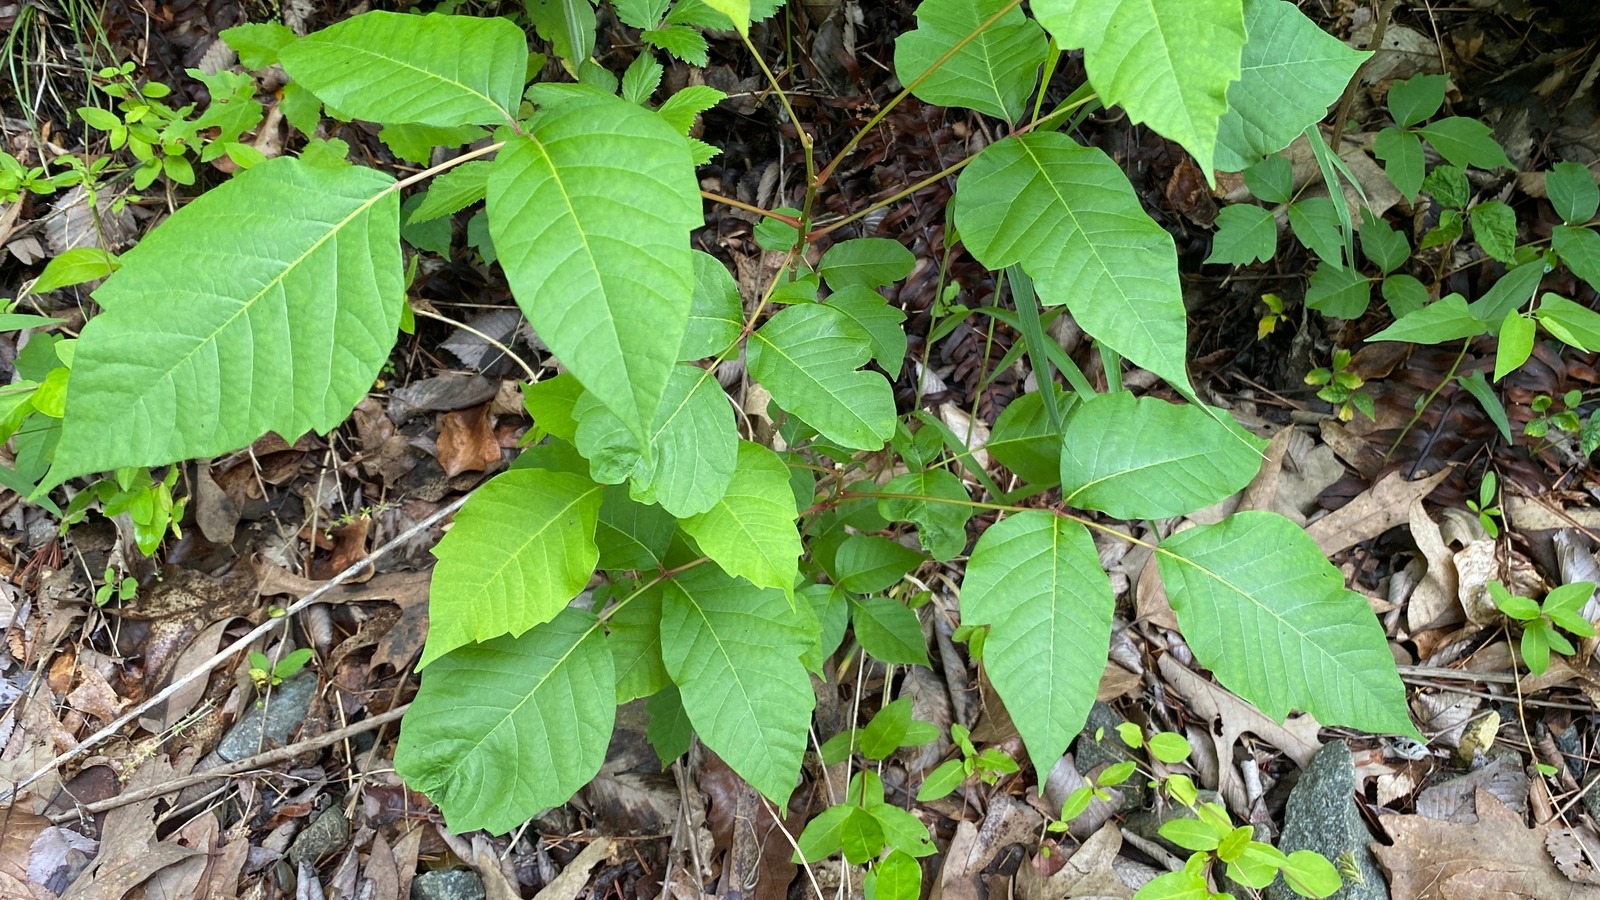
point(1376, 510)
point(1436, 600)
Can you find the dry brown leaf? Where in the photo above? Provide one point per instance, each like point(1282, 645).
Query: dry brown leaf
point(1263, 489)
point(18, 831)
point(467, 441)
point(1476, 566)
point(1436, 600)
point(1456, 800)
point(1575, 851)
point(1356, 451)
point(1496, 858)
point(575, 877)
point(1086, 873)
point(94, 695)
point(1374, 511)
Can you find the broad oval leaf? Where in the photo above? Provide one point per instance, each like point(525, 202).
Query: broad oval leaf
point(1144, 458)
point(633, 632)
point(867, 563)
point(716, 314)
point(1035, 578)
point(502, 730)
point(590, 213)
point(1167, 62)
point(889, 631)
point(869, 262)
point(750, 530)
point(994, 73)
point(202, 349)
point(807, 356)
point(1272, 619)
point(1025, 441)
point(1070, 217)
point(936, 502)
point(883, 323)
point(520, 550)
point(432, 70)
point(734, 651)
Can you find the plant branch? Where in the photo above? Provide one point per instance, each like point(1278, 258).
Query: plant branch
point(429, 314)
point(447, 164)
point(747, 207)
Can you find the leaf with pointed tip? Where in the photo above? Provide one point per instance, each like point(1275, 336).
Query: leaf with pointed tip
point(750, 531)
point(883, 323)
point(456, 190)
point(870, 262)
point(867, 563)
point(941, 518)
point(716, 314)
point(1036, 580)
point(994, 73)
point(1025, 441)
point(501, 730)
point(808, 356)
point(634, 636)
point(889, 631)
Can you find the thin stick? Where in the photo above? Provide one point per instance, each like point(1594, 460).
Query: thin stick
point(526, 369)
point(229, 651)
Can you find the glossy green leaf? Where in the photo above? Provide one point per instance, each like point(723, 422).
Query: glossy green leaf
point(823, 835)
point(1144, 458)
point(897, 877)
point(1036, 580)
point(882, 735)
point(870, 262)
point(1572, 191)
point(941, 525)
point(1290, 72)
point(1416, 98)
point(1579, 249)
point(1311, 874)
point(716, 314)
point(750, 530)
point(433, 70)
point(202, 349)
point(75, 266)
point(889, 631)
point(502, 730)
point(1025, 441)
point(1245, 234)
point(1316, 224)
point(884, 324)
point(1339, 292)
point(634, 637)
point(1445, 319)
point(1403, 161)
point(1516, 344)
point(902, 831)
point(941, 781)
point(867, 563)
point(994, 73)
point(1068, 215)
point(454, 191)
point(590, 214)
point(1494, 224)
point(807, 356)
point(734, 651)
point(1279, 629)
point(1465, 142)
point(1167, 62)
point(520, 550)
point(1571, 323)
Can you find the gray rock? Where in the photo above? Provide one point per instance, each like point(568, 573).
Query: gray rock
point(326, 834)
point(268, 724)
point(1322, 816)
point(447, 884)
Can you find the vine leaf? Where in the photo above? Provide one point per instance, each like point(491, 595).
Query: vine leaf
point(501, 730)
point(1144, 458)
point(430, 70)
point(1070, 217)
point(1167, 62)
point(1025, 441)
point(994, 73)
point(734, 651)
point(520, 550)
point(889, 631)
point(634, 636)
point(750, 531)
point(1290, 73)
point(716, 314)
point(868, 262)
point(1035, 579)
point(590, 213)
point(1279, 629)
point(202, 349)
point(807, 356)
point(941, 524)
point(883, 323)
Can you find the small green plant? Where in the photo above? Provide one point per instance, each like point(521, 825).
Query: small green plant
point(989, 766)
point(264, 673)
point(112, 589)
point(1487, 506)
point(148, 503)
point(1542, 623)
point(1338, 385)
point(1547, 415)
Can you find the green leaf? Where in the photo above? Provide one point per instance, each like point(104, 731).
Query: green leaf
point(454, 191)
point(502, 730)
point(1571, 323)
point(734, 652)
point(1579, 248)
point(1271, 179)
point(889, 631)
point(1311, 874)
point(1386, 247)
point(1025, 441)
point(1338, 292)
point(750, 531)
point(1484, 394)
point(641, 13)
point(433, 70)
point(1403, 162)
point(1170, 747)
point(569, 26)
point(590, 214)
point(1494, 224)
point(832, 610)
point(882, 735)
point(941, 781)
point(897, 877)
point(807, 356)
point(1404, 294)
point(202, 349)
point(642, 77)
point(994, 73)
point(1416, 98)
point(884, 324)
point(902, 831)
point(1316, 224)
point(1569, 596)
point(1449, 186)
point(1465, 142)
point(1245, 234)
point(941, 525)
point(1516, 344)
point(1536, 646)
point(867, 563)
point(302, 109)
point(716, 314)
point(824, 834)
point(1144, 458)
point(415, 143)
point(1191, 834)
point(634, 636)
point(1279, 629)
point(1510, 293)
point(520, 550)
point(1445, 319)
point(681, 41)
point(258, 46)
point(632, 535)
point(669, 731)
point(1572, 192)
point(1290, 72)
point(870, 262)
point(1167, 62)
point(76, 266)
point(682, 108)
point(433, 236)
point(551, 403)
point(737, 11)
point(693, 444)
point(1035, 578)
point(1520, 608)
point(1068, 215)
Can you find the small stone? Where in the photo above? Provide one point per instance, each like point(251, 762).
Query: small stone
point(326, 834)
point(267, 725)
point(1322, 816)
point(447, 884)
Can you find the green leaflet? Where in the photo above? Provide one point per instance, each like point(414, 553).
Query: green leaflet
point(1571, 323)
point(884, 324)
point(431, 70)
point(716, 314)
point(692, 450)
point(750, 531)
point(590, 215)
point(994, 73)
point(1579, 248)
point(1144, 458)
point(807, 356)
point(1572, 192)
point(1167, 62)
point(941, 525)
point(1279, 628)
point(520, 550)
point(734, 651)
point(670, 731)
point(889, 631)
point(454, 191)
point(1070, 217)
point(1025, 441)
point(1445, 319)
point(202, 349)
point(869, 262)
point(1291, 71)
point(1245, 234)
point(867, 563)
point(501, 730)
point(632, 535)
point(1035, 578)
point(634, 636)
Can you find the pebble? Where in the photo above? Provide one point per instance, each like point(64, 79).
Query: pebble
point(447, 884)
